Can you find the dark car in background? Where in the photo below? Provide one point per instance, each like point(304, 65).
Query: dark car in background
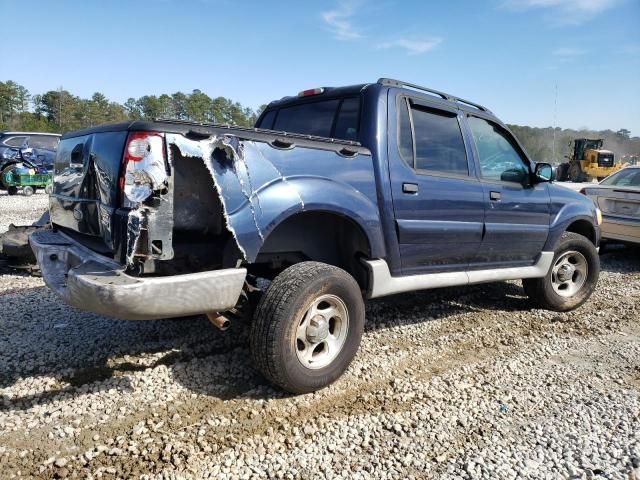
point(34, 149)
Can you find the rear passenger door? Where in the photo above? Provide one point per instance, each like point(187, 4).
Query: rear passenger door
point(437, 199)
point(517, 210)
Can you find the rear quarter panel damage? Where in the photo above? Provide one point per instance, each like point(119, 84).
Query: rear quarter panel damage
point(259, 186)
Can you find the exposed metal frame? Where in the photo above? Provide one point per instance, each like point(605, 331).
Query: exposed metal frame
point(390, 82)
point(382, 283)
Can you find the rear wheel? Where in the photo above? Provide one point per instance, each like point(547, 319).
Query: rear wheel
point(307, 327)
point(575, 173)
point(48, 189)
point(28, 191)
point(572, 277)
point(562, 172)
point(7, 169)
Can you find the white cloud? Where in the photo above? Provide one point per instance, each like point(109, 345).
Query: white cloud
point(565, 12)
point(413, 46)
point(340, 23)
point(339, 20)
point(568, 52)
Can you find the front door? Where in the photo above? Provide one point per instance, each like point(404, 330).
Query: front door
point(516, 209)
point(437, 199)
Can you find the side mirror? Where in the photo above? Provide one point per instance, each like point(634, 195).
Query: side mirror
point(544, 172)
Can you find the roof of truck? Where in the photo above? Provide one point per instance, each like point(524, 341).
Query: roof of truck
point(333, 92)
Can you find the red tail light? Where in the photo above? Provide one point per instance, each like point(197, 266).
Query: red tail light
point(311, 92)
point(144, 156)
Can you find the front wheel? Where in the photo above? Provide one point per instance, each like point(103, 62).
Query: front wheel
point(307, 327)
point(572, 277)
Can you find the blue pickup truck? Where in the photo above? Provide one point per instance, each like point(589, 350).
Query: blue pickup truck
point(337, 195)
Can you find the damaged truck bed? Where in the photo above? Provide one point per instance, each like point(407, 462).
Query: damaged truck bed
point(191, 200)
point(338, 195)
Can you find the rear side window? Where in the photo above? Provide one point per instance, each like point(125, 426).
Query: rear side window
point(267, 120)
point(336, 118)
point(348, 119)
point(405, 137)
point(15, 141)
point(48, 142)
point(432, 140)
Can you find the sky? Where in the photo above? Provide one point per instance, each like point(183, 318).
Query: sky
point(509, 55)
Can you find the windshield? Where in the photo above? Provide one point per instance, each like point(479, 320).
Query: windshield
point(628, 177)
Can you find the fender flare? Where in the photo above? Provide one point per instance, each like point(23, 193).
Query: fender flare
point(567, 215)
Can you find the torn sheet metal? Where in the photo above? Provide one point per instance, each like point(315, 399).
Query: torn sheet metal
point(258, 185)
point(239, 171)
point(148, 190)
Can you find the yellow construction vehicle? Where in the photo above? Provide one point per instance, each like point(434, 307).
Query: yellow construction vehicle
point(588, 161)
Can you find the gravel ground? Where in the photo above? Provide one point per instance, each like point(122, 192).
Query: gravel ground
point(21, 210)
point(455, 383)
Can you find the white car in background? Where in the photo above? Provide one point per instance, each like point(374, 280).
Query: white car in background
point(618, 197)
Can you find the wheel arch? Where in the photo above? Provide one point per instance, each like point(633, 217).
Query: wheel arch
point(323, 235)
point(583, 227)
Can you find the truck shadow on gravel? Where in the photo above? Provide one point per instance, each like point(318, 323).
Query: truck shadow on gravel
point(618, 258)
point(82, 353)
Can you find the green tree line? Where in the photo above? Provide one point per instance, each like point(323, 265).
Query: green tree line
point(61, 111)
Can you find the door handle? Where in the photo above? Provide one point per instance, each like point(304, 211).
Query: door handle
point(410, 187)
point(494, 196)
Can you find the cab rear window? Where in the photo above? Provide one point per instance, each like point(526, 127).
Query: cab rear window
point(334, 118)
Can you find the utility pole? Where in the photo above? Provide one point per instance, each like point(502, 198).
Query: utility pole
point(555, 124)
point(60, 107)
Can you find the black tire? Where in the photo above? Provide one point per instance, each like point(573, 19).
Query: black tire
point(4, 186)
point(562, 172)
point(12, 190)
point(274, 344)
point(541, 290)
point(575, 173)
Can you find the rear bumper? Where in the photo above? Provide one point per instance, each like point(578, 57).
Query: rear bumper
point(98, 284)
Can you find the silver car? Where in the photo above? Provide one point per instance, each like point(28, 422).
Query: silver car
point(618, 196)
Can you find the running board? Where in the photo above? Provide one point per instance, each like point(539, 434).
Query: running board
point(382, 283)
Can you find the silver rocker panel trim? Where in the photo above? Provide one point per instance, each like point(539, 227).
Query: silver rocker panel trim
point(382, 283)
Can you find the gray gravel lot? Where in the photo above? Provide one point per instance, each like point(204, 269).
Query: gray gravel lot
point(455, 383)
point(21, 210)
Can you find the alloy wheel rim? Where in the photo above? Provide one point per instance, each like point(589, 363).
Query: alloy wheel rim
point(321, 332)
point(569, 273)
